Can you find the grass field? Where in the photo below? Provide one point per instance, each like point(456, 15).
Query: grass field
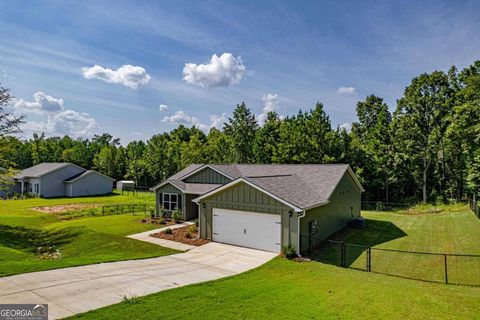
point(453, 229)
point(80, 241)
point(283, 289)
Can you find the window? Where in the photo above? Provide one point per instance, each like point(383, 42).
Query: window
point(29, 187)
point(170, 201)
point(36, 188)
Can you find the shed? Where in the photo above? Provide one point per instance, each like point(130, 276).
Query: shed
point(125, 185)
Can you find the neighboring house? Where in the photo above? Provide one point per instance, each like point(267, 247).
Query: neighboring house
point(62, 179)
point(264, 206)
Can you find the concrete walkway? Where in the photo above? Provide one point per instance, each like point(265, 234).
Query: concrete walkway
point(145, 236)
point(74, 290)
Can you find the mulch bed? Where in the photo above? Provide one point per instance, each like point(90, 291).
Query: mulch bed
point(65, 207)
point(178, 235)
point(157, 221)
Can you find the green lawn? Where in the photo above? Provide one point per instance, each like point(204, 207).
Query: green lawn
point(283, 289)
point(81, 241)
point(453, 229)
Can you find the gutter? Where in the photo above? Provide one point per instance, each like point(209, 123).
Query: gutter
point(300, 215)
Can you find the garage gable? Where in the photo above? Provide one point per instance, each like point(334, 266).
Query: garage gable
point(242, 196)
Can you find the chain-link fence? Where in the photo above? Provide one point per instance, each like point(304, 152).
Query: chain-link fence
point(409, 208)
point(475, 206)
point(463, 269)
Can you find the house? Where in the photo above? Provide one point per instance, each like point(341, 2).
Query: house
point(62, 179)
point(264, 206)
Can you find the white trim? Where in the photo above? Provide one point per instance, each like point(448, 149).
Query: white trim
point(238, 180)
point(204, 167)
point(299, 243)
point(164, 183)
point(355, 179)
point(170, 201)
point(88, 172)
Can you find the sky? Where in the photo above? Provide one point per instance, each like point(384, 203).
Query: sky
point(138, 68)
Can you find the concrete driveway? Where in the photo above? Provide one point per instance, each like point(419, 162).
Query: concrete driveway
point(74, 290)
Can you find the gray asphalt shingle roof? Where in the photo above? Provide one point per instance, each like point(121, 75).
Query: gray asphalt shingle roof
point(40, 169)
point(302, 185)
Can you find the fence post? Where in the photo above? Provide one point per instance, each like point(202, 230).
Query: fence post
point(446, 269)
point(342, 262)
point(369, 259)
point(103, 210)
point(117, 209)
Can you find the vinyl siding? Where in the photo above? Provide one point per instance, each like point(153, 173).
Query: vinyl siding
point(207, 175)
point(91, 184)
point(243, 197)
point(53, 185)
point(332, 217)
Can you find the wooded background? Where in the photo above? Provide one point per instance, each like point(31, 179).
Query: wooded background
point(428, 149)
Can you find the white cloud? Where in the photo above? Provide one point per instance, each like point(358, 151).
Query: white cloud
point(346, 90)
point(163, 107)
point(42, 102)
point(270, 103)
point(128, 75)
point(73, 123)
point(57, 120)
point(180, 117)
point(219, 72)
point(347, 126)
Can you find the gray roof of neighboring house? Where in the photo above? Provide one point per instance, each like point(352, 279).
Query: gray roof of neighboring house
point(85, 173)
point(41, 169)
point(302, 185)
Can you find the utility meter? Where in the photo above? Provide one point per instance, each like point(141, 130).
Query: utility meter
point(312, 227)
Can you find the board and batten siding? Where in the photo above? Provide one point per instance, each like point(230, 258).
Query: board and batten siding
point(243, 197)
point(334, 216)
point(207, 175)
point(169, 188)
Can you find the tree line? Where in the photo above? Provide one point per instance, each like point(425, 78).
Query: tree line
point(427, 149)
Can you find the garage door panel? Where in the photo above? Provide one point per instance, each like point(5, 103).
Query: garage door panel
point(247, 229)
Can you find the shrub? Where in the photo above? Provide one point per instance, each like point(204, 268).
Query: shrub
point(289, 252)
point(177, 215)
point(168, 231)
point(161, 221)
point(192, 229)
point(188, 235)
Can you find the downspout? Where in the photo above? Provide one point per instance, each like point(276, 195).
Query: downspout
point(300, 215)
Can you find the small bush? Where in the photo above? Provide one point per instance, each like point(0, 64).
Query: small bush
point(289, 252)
point(177, 215)
point(161, 221)
point(144, 220)
point(188, 235)
point(168, 231)
point(192, 229)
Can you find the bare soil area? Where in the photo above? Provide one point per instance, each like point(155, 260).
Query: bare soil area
point(65, 207)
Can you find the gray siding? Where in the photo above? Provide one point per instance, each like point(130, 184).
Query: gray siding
point(91, 184)
point(191, 207)
point(52, 184)
point(245, 198)
point(334, 216)
point(207, 175)
point(168, 188)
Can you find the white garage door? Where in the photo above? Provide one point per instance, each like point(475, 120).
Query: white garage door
point(247, 229)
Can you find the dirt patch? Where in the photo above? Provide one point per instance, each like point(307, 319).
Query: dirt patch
point(65, 207)
point(180, 235)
